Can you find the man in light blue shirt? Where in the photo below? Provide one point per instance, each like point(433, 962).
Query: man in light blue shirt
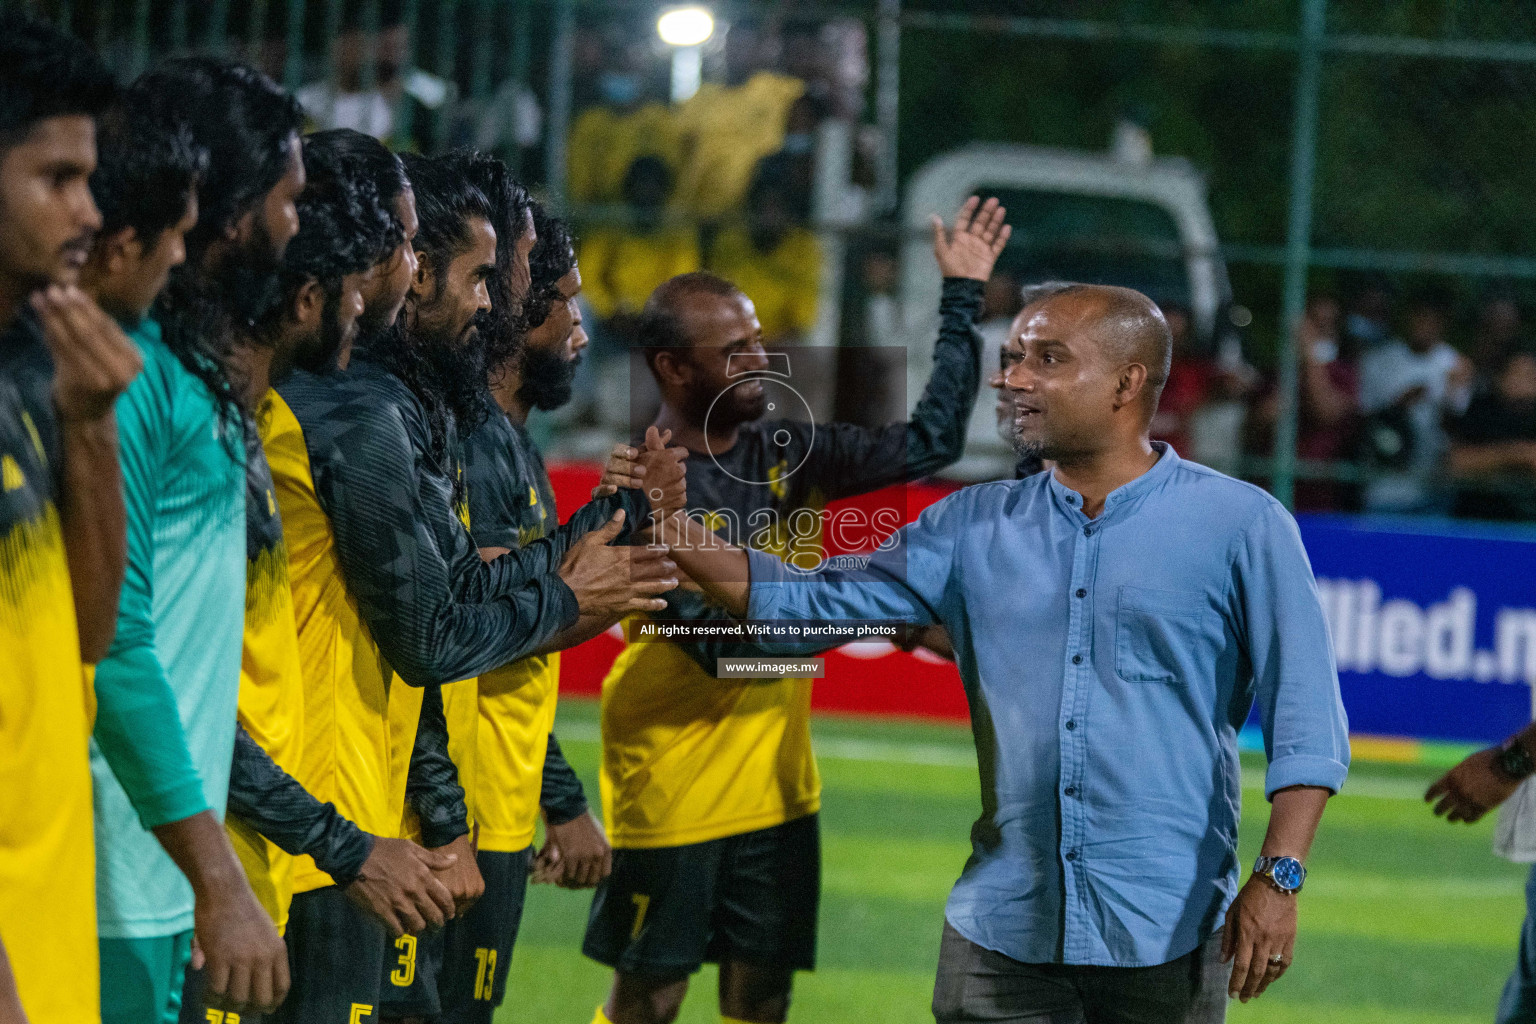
point(1114, 621)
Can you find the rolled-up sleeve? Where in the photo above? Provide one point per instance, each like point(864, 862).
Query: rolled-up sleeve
point(1285, 632)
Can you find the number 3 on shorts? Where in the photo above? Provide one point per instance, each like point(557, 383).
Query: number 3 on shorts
point(403, 975)
point(642, 903)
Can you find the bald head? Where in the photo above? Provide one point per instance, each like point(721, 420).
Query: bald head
point(1127, 326)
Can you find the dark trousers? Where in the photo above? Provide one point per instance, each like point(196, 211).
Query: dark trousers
point(976, 984)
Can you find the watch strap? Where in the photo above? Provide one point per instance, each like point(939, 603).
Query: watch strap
point(1514, 761)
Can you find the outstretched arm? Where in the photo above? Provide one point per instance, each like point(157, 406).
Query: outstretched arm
point(855, 460)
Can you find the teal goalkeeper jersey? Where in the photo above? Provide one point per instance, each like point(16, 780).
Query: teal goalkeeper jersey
point(166, 691)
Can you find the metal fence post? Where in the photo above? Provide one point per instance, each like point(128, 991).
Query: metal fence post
point(559, 120)
point(293, 59)
point(888, 101)
point(405, 110)
point(522, 55)
point(1298, 240)
point(447, 55)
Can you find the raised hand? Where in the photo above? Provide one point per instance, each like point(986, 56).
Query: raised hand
point(611, 582)
point(93, 360)
point(978, 238)
point(398, 885)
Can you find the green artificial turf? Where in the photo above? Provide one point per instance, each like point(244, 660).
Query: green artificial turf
point(1405, 919)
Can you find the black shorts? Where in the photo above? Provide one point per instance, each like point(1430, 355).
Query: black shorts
point(408, 982)
point(750, 898)
point(335, 961)
point(478, 948)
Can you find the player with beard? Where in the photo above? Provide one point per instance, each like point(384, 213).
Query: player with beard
point(344, 232)
point(62, 365)
point(165, 866)
point(710, 789)
point(364, 159)
point(391, 596)
point(521, 772)
point(494, 809)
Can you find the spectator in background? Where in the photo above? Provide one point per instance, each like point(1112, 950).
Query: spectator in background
point(883, 322)
point(726, 129)
point(1330, 404)
point(624, 264)
point(606, 139)
point(795, 163)
point(774, 258)
point(1369, 320)
point(1197, 383)
point(345, 103)
point(1497, 336)
point(1408, 386)
point(1001, 300)
point(1495, 439)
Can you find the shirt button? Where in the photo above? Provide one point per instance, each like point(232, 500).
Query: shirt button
point(1071, 724)
point(1071, 855)
point(1071, 791)
point(1087, 531)
point(1077, 659)
point(1081, 592)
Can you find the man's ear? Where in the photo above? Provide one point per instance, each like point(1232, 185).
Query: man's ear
point(308, 304)
point(424, 281)
point(240, 229)
point(120, 251)
point(671, 368)
point(1131, 385)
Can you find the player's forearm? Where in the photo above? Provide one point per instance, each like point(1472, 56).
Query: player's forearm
point(273, 803)
point(95, 529)
point(719, 568)
point(936, 433)
point(201, 849)
point(586, 627)
point(139, 732)
point(432, 781)
point(1294, 815)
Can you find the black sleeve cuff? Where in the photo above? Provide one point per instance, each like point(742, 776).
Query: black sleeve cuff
point(962, 294)
point(344, 853)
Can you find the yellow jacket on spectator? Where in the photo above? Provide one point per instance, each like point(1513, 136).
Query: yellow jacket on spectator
point(725, 131)
point(620, 268)
point(604, 142)
point(783, 283)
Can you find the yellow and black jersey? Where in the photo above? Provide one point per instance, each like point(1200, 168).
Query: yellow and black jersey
point(689, 758)
point(512, 505)
point(47, 851)
point(389, 592)
point(271, 700)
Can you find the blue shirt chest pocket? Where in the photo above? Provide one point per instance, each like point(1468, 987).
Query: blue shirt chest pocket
point(1162, 635)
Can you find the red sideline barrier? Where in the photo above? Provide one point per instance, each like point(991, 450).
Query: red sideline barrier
point(865, 678)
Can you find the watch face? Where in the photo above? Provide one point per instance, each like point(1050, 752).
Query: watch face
point(1288, 873)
